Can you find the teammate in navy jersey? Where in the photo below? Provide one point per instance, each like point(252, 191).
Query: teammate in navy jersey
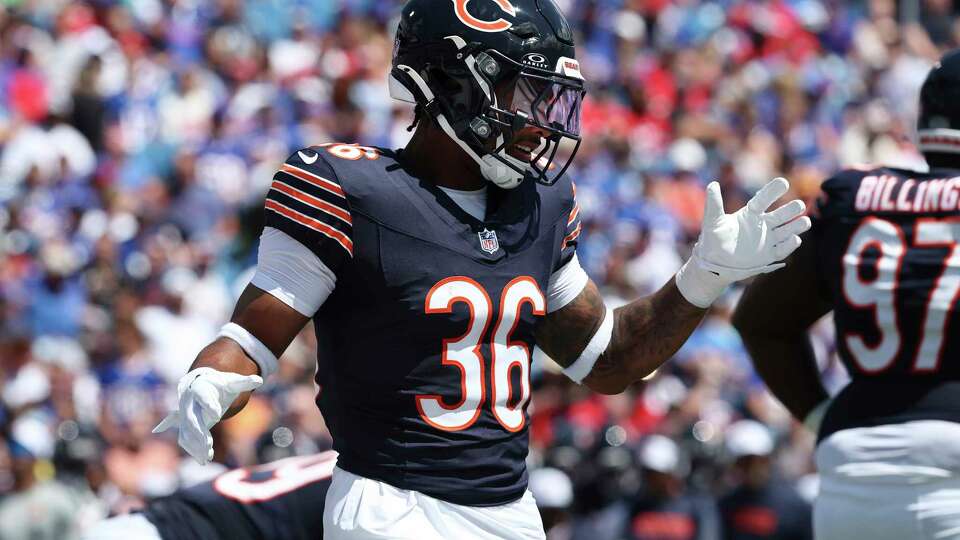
point(882, 255)
point(281, 500)
point(434, 273)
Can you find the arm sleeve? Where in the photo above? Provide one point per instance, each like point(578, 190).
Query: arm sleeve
point(307, 202)
point(293, 274)
point(566, 284)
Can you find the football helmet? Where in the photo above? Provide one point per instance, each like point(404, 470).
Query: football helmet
point(938, 124)
point(483, 70)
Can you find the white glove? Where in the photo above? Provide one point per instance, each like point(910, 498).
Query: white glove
point(736, 246)
point(204, 395)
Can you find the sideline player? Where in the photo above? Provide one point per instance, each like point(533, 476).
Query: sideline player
point(434, 272)
point(281, 500)
point(882, 255)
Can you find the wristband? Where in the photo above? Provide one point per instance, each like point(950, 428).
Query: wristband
point(579, 370)
point(698, 285)
point(254, 348)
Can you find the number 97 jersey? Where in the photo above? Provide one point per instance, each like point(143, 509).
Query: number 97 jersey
point(425, 343)
point(887, 241)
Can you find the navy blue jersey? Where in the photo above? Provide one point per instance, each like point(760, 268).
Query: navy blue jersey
point(425, 342)
point(887, 242)
point(282, 500)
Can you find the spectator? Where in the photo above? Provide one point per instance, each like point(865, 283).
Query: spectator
point(760, 505)
point(663, 509)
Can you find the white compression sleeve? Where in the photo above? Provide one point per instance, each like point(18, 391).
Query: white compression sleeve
point(582, 367)
point(565, 284)
point(292, 273)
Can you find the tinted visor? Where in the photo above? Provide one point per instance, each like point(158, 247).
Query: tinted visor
point(552, 102)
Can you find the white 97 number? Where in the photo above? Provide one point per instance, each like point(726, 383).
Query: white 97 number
point(464, 353)
point(879, 293)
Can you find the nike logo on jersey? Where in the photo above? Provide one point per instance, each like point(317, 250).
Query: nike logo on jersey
point(308, 160)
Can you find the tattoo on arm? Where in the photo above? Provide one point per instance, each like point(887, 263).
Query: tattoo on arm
point(564, 333)
point(646, 333)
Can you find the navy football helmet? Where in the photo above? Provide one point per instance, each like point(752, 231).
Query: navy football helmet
point(938, 125)
point(483, 70)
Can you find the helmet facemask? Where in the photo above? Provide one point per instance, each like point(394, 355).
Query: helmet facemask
point(540, 101)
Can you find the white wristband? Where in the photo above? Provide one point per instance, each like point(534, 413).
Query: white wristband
point(254, 348)
point(579, 370)
point(697, 284)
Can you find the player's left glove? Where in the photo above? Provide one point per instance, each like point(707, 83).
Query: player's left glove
point(204, 395)
point(736, 246)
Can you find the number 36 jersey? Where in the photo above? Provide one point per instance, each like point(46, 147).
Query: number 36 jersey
point(424, 344)
point(887, 242)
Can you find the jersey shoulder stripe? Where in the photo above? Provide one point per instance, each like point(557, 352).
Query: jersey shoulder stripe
point(572, 228)
point(307, 201)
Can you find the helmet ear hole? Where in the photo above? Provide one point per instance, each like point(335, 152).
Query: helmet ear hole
point(442, 81)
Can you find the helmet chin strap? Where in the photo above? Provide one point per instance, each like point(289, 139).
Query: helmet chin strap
point(492, 168)
point(500, 173)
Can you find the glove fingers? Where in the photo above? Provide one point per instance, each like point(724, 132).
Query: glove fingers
point(713, 205)
point(242, 383)
point(210, 408)
point(784, 249)
point(194, 437)
point(769, 193)
point(169, 421)
point(785, 213)
point(795, 227)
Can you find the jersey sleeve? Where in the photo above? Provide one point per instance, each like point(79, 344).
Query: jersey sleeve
point(572, 228)
point(307, 202)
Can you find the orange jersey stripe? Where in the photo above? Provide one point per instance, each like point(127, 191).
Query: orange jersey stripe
point(574, 213)
point(311, 223)
point(318, 181)
point(571, 237)
point(319, 204)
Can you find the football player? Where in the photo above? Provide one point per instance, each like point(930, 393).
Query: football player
point(433, 273)
point(281, 500)
point(882, 255)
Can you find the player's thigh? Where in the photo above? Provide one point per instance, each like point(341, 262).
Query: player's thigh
point(128, 527)
point(937, 510)
point(358, 508)
point(519, 520)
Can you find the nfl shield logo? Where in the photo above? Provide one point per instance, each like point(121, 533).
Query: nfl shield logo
point(488, 241)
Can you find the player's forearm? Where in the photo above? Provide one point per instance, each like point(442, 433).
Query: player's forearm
point(788, 366)
point(646, 333)
point(227, 356)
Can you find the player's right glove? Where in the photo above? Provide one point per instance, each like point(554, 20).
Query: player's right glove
point(204, 394)
point(736, 246)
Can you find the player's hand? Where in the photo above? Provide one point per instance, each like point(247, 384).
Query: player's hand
point(736, 246)
point(204, 395)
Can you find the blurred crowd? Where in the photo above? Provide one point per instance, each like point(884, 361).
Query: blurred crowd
point(138, 139)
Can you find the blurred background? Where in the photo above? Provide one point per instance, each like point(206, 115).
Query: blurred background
point(138, 139)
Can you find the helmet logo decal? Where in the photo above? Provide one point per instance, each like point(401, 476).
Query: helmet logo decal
point(536, 60)
point(499, 25)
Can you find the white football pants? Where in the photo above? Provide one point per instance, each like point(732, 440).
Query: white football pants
point(359, 508)
point(126, 527)
point(893, 482)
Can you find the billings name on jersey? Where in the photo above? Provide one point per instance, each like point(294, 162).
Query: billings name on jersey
point(887, 242)
point(894, 193)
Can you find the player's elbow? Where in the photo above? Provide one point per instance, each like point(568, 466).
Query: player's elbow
point(608, 388)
